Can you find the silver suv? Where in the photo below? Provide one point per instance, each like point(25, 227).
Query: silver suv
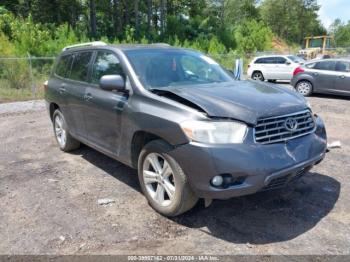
point(330, 76)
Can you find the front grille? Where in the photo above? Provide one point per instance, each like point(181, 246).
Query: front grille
point(273, 129)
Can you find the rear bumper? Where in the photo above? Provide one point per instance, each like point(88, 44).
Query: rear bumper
point(262, 167)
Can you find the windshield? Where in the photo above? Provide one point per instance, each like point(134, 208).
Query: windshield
point(157, 68)
point(296, 59)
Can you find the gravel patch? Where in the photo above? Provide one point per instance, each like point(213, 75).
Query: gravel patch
point(21, 107)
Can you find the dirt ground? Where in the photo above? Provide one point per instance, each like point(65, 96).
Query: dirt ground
point(48, 201)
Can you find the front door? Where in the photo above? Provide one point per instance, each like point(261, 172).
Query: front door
point(284, 68)
point(103, 109)
point(342, 82)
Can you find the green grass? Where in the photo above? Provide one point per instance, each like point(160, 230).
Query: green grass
point(8, 94)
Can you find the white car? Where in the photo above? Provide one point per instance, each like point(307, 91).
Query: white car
point(274, 67)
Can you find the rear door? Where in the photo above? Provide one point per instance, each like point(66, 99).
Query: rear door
point(74, 88)
point(57, 83)
point(324, 76)
point(284, 70)
point(104, 108)
point(342, 82)
point(267, 66)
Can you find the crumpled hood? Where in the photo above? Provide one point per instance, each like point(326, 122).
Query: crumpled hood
point(246, 101)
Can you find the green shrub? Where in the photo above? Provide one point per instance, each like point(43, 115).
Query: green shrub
point(252, 36)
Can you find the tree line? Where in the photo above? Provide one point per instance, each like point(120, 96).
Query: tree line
point(42, 27)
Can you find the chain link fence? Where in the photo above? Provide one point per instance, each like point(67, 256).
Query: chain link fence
point(22, 78)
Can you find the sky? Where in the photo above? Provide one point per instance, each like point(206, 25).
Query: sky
point(333, 9)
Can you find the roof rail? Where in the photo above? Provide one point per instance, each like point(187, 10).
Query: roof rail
point(161, 44)
point(96, 43)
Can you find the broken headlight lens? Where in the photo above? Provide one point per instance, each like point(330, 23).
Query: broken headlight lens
point(215, 132)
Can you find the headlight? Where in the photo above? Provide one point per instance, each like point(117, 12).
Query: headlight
point(215, 132)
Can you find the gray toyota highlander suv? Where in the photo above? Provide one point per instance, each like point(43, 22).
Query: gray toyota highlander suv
point(180, 119)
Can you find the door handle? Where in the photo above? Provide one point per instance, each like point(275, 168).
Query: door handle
point(88, 97)
point(342, 76)
point(316, 74)
point(62, 89)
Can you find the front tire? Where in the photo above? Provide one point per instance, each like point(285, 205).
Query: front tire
point(304, 88)
point(65, 141)
point(163, 182)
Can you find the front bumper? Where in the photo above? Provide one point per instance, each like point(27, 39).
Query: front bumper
point(261, 166)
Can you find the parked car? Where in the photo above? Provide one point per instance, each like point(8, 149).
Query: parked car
point(272, 68)
point(330, 76)
point(181, 120)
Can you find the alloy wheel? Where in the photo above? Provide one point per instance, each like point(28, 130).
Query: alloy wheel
point(304, 88)
point(258, 76)
point(159, 179)
point(60, 132)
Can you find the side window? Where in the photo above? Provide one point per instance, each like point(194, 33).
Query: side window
point(80, 66)
point(325, 65)
point(342, 66)
point(270, 60)
point(310, 65)
point(279, 60)
point(63, 66)
point(265, 60)
point(105, 63)
point(260, 61)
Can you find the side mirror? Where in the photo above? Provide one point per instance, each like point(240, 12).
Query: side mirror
point(288, 63)
point(112, 82)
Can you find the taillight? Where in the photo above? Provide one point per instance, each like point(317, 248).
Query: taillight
point(298, 70)
point(46, 85)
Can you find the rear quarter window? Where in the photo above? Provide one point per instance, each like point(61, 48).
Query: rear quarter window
point(63, 65)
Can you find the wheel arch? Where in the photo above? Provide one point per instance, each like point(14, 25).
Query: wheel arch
point(53, 107)
point(305, 80)
point(140, 139)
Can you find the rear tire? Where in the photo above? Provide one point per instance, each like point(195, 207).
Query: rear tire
point(257, 75)
point(65, 141)
point(163, 182)
point(304, 88)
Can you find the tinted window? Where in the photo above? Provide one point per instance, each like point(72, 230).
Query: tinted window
point(271, 60)
point(260, 61)
point(106, 63)
point(63, 65)
point(80, 66)
point(279, 60)
point(265, 60)
point(325, 65)
point(310, 65)
point(342, 66)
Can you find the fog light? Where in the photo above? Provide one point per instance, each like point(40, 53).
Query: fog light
point(217, 180)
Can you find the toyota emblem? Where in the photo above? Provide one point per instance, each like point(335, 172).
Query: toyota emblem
point(291, 124)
